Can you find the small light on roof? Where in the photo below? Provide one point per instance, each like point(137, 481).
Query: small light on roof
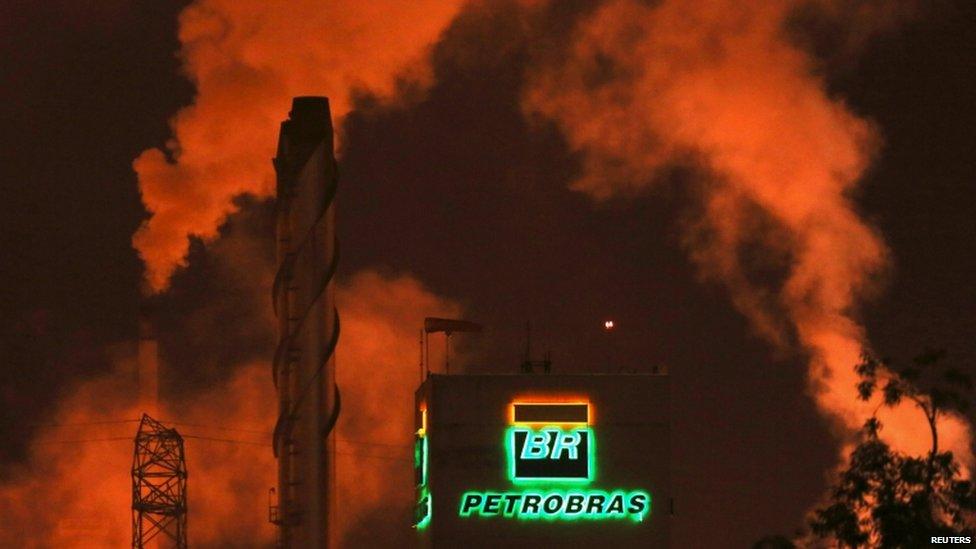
point(608, 324)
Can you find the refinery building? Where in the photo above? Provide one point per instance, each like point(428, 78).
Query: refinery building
point(534, 460)
point(520, 460)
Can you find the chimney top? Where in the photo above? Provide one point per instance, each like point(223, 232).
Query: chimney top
point(309, 123)
point(310, 108)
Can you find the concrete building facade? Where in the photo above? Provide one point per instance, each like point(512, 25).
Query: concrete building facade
point(543, 461)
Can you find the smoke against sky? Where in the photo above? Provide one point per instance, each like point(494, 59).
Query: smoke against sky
point(377, 374)
point(467, 188)
point(82, 466)
point(247, 59)
point(718, 84)
point(86, 484)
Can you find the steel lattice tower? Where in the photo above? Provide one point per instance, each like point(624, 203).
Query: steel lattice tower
point(158, 486)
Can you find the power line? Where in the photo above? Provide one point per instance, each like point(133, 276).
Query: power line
point(205, 426)
point(165, 422)
point(218, 427)
point(232, 441)
point(199, 437)
point(389, 458)
point(85, 423)
point(215, 439)
point(130, 439)
point(110, 439)
point(369, 443)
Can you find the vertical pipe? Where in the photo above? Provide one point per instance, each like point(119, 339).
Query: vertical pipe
point(304, 294)
point(283, 364)
point(147, 371)
point(315, 395)
point(447, 352)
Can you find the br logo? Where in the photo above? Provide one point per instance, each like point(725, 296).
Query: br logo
point(550, 442)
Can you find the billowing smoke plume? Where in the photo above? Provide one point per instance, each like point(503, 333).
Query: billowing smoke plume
point(247, 59)
point(718, 83)
point(378, 371)
point(80, 467)
point(75, 490)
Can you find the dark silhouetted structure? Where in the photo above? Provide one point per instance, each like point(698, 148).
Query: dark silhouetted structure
point(448, 326)
point(158, 487)
point(528, 365)
point(529, 461)
point(308, 327)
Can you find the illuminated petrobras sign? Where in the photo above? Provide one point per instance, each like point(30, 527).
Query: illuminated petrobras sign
point(551, 451)
point(420, 466)
point(566, 505)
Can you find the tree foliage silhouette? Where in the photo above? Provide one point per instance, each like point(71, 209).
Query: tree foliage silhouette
point(888, 499)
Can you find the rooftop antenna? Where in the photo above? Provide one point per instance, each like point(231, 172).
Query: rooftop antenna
point(608, 329)
point(529, 365)
point(448, 326)
point(423, 354)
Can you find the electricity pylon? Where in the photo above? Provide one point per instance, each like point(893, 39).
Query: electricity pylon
point(158, 487)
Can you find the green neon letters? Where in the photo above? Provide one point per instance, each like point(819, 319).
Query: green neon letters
point(550, 454)
point(536, 445)
point(566, 441)
point(555, 464)
point(420, 456)
point(422, 510)
point(421, 463)
point(557, 504)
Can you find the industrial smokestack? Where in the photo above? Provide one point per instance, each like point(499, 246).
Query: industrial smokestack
point(147, 369)
point(308, 327)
